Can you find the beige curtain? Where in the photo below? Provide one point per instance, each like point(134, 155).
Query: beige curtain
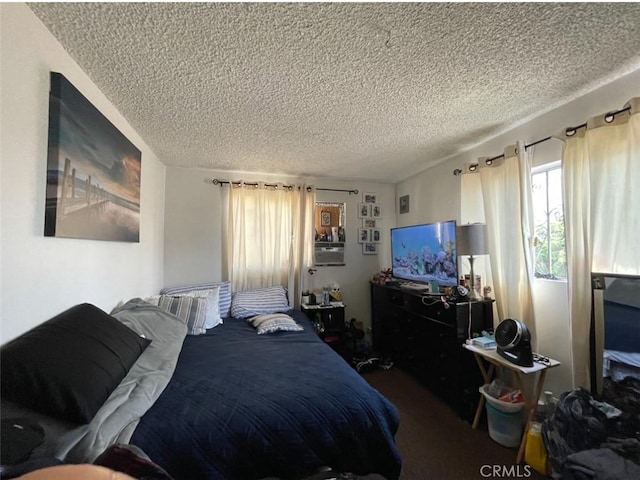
point(267, 236)
point(601, 171)
point(472, 211)
point(302, 243)
point(504, 189)
point(506, 193)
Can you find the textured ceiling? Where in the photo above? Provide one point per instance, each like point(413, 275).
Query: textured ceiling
point(373, 91)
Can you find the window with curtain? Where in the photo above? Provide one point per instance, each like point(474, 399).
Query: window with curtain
point(268, 235)
point(600, 166)
point(503, 187)
point(600, 163)
point(550, 259)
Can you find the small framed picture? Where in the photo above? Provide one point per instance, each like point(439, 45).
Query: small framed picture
point(364, 210)
point(325, 218)
point(368, 197)
point(369, 223)
point(369, 249)
point(404, 204)
point(375, 235)
point(376, 210)
point(364, 235)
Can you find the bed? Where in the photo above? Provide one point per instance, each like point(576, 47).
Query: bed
point(230, 403)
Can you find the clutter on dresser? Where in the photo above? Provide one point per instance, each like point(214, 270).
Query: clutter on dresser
point(382, 278)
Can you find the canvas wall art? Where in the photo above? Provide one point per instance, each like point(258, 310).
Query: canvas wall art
point(93, 171)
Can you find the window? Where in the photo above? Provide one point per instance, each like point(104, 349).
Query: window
point(268, 235)
point(548, 217)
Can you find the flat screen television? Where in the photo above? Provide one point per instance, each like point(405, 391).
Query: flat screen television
point(425, 253)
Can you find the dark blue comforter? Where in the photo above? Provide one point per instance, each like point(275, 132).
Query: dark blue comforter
point(248, 406)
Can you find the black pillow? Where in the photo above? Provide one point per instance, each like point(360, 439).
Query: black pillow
point(68, 366)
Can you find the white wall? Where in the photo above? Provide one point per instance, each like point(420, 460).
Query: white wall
point(40, 276)
point(354, 277)
point(438, 194)
point(434, 196)
point(193, 241)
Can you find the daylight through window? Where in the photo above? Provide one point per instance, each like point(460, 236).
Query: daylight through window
point(548, 217)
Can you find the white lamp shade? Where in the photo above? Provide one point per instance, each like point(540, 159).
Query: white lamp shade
point(471, 239)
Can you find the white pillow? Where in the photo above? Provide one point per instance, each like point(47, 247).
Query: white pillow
point(274, 322)
point(213, 305)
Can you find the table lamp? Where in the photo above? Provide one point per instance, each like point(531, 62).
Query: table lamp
point(472, 240)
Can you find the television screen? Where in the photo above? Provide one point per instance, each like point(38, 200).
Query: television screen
point(425, 253)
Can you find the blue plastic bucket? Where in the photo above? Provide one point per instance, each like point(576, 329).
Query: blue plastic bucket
point(505, 427)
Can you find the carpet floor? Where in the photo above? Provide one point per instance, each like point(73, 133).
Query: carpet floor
point(435, 443)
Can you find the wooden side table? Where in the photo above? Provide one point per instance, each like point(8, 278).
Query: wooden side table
point(492, 357)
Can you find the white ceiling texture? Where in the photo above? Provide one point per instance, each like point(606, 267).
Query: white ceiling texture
point(372, 91)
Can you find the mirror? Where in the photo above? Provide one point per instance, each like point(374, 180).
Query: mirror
point(615, 329)
point(329, 225)
point(329, 222)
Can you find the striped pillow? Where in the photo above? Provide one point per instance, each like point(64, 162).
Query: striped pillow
point(224, 295)
point(277, 322)
point(213, 305)
point(258, 302)
point(191, 310)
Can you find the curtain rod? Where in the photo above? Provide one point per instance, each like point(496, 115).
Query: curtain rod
point(571, 131)
point(353, 191)
point(216, 181)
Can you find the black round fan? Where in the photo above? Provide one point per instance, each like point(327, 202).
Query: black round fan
point(514, 342)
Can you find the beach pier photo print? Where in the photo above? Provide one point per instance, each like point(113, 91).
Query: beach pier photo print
point(93, 171)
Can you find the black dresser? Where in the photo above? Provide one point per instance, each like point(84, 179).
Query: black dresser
point(424, 336)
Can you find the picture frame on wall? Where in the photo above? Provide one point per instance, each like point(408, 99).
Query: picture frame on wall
point(369, 248)
point(325, 218)
point(376, 210)
point(364, 210)
point(375, 235)
point(368, 197)
point(369, 223)
point(93, 171)
point(364, 235)
point(404, 204)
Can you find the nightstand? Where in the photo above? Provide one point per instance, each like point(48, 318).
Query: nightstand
point(327, 320)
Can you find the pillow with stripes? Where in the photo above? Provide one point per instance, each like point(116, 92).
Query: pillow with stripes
point(259, 302)
point(274, 322)
point(224, 296)
point(191, 310)
point(212, 296)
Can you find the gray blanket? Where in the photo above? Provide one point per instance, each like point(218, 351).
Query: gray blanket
point(119, 416)
point(117, 419)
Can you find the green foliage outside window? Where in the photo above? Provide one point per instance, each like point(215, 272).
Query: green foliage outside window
point(550, 253)
point(549, 244)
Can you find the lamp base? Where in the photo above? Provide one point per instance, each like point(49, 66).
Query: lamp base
point(473, 295)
